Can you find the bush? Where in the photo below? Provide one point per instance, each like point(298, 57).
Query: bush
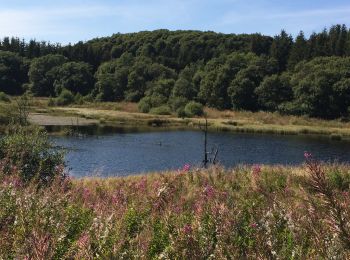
point(4, 97)
point(65, 98)
point(194, 109)
point(78, 99)
point(162, 110)
point(29, 151)
point(181, 112)
point(88, 98)
point(144, 105)
point(149, 102)
point(51, 102)
point(177, 102)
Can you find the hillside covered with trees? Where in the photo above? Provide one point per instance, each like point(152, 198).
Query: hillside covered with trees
point(167, 70)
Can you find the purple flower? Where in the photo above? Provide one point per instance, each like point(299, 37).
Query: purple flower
point(187, 229)
point(186, 168)
point(307, 155)
point(209, 191)
point(256, 169)
point(254, 225)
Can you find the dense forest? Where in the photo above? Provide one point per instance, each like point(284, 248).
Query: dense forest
point(166, 70)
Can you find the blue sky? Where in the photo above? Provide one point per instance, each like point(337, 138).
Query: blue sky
point(73, 20)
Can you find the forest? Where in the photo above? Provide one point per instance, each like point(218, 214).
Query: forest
point(168, 71)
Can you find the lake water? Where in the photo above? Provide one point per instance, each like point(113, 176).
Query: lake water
point(123, 153)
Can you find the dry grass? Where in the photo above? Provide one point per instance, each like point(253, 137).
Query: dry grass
point(126, 113)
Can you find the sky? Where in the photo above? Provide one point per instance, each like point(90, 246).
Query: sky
point(67, 21)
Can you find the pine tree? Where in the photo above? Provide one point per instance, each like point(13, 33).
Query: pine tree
point(300, 50)
point(280, 49)
point(341, 42)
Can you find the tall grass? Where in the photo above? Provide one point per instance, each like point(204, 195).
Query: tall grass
point(246, 212)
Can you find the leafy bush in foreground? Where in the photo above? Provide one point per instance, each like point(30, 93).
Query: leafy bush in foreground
point(27, 152)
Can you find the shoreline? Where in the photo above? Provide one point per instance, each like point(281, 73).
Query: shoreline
point(126, 115)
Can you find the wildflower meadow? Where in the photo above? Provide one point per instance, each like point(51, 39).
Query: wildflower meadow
point(249, 212)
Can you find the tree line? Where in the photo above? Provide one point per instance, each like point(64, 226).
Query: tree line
point(166, 70)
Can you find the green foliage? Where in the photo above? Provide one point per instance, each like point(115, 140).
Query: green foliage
point(177, 103)
point(74, 76)
point(4, 98)
point(339, 180)
point(43, 72)
point(144, 105)
point(273, 91)
point(78, 220)
point(65, 98)
point(281, 48)
point(149, 102)
point(13, 73)
point(162, 110)
point(159, 241)
point(133, 222)
point(32, 154)
point(78, 99)
point(223, 71)
point(194, 109)
point(321, 87)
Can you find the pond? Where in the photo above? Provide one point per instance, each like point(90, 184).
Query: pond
point(120, 152)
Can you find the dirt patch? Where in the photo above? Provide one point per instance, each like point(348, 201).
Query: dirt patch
point(44, 120)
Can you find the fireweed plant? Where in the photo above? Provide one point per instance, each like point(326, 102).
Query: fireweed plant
point(254, 212)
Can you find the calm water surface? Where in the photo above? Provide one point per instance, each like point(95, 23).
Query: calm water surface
point(122, 153)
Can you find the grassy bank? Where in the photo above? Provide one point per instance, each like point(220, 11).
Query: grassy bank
point(236, 121)
point(243, 213)
point(126, 114)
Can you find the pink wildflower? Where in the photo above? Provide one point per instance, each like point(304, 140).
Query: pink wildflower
point(86, 194)
point(187, 229)
point(141, 186)
point(256, 169)
point(254, 225)
point(186, 168)
point(307, 155)
point(209, 191)
point(84, 240)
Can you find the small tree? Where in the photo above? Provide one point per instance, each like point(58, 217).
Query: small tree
point(28, 152)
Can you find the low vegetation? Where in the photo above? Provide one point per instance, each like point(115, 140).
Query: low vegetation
point(247, 212)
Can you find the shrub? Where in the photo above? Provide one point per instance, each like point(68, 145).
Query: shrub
point(51, 102)
point(177, 102)
point(78, 99)
point(4, 97)
point(29, 151)
point(65, 98)
point(88, 98)
point(181, 112)
point(162, 110)
point(194, 109)
point(149, 102)
point(144, 105)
